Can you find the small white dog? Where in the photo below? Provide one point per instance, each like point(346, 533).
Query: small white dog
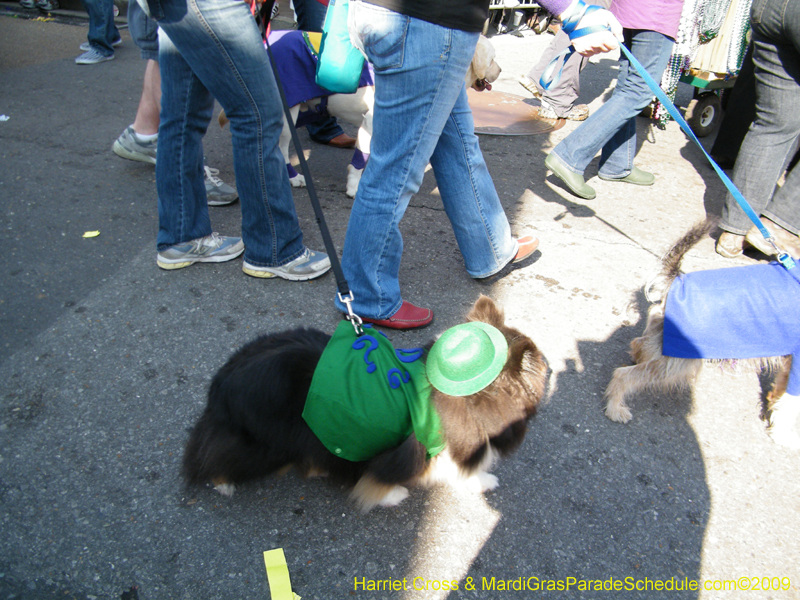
point(294, 52)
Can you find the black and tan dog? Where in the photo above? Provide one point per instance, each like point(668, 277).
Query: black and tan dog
point(742, 318)
point(263, 412)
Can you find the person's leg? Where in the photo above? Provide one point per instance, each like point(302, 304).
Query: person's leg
point(139, 140)
point(561, 96)
point(102, 30)
point(469, 196)
point(310, 14)
point(615, 117)
point(149, 109)
point(768, 145)
point(739, 115)
point(652, 50)
point(222, 48)
point(186, 108)
point(419, 72)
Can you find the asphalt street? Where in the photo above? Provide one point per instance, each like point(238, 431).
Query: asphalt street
point(105, 361)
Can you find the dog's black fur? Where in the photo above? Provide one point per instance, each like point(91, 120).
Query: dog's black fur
point(252, 425)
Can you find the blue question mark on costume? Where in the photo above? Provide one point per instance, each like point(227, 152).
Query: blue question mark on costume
point(397, 377)
point(373, 345)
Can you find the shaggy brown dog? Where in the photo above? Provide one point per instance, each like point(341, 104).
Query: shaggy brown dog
point(253, 424)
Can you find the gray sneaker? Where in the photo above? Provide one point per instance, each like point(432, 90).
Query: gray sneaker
point(218, 192)
point(579, 112)
point(131, 146)
point(92, 57)
point(86, 46)
point(529, 85)
point(308, 265)
point(211, 248)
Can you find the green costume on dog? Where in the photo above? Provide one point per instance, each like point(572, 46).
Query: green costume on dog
point(366, 397)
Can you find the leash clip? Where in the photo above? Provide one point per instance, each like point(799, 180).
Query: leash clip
point(354, 319)
point(785, 259)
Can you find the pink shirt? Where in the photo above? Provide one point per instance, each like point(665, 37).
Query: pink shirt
point(662, 16)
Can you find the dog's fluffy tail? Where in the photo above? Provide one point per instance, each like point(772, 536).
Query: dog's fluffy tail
point(671, 263)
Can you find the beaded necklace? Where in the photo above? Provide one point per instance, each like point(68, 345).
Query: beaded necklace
point(701, 22)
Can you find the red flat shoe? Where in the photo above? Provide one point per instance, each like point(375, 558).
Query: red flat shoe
point(527, 246)
point(342, 141)
point(408, 317)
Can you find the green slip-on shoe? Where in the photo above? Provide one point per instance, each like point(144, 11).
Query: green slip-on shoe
point(636, 177)
point(573, 181)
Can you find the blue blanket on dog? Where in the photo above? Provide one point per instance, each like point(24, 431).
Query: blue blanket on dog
point(742, 312)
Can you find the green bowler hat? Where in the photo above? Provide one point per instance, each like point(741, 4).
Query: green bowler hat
point(466, 358)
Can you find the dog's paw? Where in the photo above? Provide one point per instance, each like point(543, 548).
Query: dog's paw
point(482, 482)
point(298, 181)
point(395, 497)
point(487, 481)
point(226, 489)
point(784, 437)
point(620, 413)
point(353, 179)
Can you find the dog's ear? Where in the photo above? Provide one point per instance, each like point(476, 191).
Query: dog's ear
point(481, 59)
point(486, 311)
point(525, 359)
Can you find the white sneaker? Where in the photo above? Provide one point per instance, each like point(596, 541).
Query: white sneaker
point(308, 265)
point(211, 248)
point(92, 57)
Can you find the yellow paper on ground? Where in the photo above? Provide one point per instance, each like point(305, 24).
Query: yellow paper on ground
point(280, 587)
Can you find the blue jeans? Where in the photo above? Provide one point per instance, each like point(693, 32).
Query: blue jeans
point(774, 133)
point(102, 30)
point(212, 49)
point(421, 115)
point(612, 127)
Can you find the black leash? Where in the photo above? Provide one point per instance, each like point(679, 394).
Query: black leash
point(263, 16)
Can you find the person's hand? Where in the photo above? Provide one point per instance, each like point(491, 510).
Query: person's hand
point(593, 43)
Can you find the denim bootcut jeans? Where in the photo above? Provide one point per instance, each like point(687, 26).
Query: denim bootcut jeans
point(612, 127)
point(771, 139)
point(212, 49)
point(102, 29)
point(421, 115)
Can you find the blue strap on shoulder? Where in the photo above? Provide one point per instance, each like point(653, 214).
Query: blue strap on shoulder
point(547, 80)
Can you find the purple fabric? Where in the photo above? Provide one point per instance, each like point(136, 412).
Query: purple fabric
point(556, 6)
point(741, 312)
point(297, 67)
point(360, 159)
point(662, 16)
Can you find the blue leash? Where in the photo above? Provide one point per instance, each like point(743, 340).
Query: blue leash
point(547, 80)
